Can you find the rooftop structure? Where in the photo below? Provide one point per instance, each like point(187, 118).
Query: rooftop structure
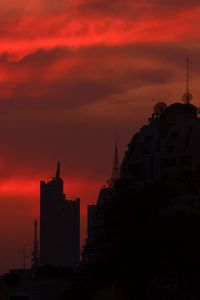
point(168, 146)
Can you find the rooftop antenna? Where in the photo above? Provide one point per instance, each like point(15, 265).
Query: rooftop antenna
point(35, 254)
point(24, 255)
point(116, 167)
point(187, 97)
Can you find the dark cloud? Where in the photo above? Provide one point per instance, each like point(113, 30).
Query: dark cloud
point(45, 119)
point(63, 79)
point(136, 9)
point(102, 6)
point(16, 7)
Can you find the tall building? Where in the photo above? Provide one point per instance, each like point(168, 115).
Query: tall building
point(95, 224)
point(104, 195)
point(167, 147)
point(59, 225)
point(90, 221)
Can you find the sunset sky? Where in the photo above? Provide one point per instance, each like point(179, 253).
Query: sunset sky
point(71, 72)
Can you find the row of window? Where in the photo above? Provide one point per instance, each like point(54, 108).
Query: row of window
point(173, 161)
point(174, 135)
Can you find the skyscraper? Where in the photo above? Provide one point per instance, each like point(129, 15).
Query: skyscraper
point(59, 225)
point(168, 147)
point(95, 223)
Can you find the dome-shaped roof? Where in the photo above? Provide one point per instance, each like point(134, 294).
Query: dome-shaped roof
point(175, 110)
point(181, 108)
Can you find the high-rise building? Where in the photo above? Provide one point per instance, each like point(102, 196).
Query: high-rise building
point(167, 147)
point(95, 230)
point(90, 220)
point(59, 225)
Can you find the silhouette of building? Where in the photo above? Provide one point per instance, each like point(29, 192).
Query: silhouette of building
point(95, 231)
point(59, 225)
point(90, 220)
point(44, 283)
point(167, 147)
point(104, 194)
point(151, 227)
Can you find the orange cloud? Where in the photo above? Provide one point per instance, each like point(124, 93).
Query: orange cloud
point(18, 187)
point(28, 33)
point(14, 187)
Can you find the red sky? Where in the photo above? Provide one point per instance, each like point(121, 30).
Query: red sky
point(72, 71)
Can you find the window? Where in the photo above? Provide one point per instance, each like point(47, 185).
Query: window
point(169, 162)
point(148, 139)
point(187, 141)
point(157, 146)
point(174, 135)
point(146, 151)
point(165, 176)
point(136, 169)
point(170, 148)
point(186, 160)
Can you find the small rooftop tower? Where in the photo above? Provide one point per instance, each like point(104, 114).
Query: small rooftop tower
point(116, 168)
point(187, 97)
point(58, 171)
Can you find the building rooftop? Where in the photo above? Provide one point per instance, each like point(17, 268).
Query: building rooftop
point(168, 146)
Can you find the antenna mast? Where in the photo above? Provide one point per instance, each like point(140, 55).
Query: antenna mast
point(24, 255)
point(187, 97)
point(116, 167)
point(35, 254)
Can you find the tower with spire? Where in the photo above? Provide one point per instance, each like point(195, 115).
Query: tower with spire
point(95, 225)
point(116, 168)
point(58, 171)
point(59, 224)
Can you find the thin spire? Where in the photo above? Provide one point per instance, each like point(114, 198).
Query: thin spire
point(116, 168)
point(58, 170)
point(187, 76)
point(187, 97)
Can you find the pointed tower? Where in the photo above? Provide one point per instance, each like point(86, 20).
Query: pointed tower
point(116, 168)
point(58, 171)
point(58, 181)
point(59, 225)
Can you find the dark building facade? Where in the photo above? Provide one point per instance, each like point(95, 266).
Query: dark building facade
point(146, 226)
point(166, 147)
point(59, 225)
point(90, 220)
point(94, 247)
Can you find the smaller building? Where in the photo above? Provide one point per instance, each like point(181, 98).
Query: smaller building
point(45, 283)
point(95, 244)
point(59, 225)
point(4, 292)
point(90, 221)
